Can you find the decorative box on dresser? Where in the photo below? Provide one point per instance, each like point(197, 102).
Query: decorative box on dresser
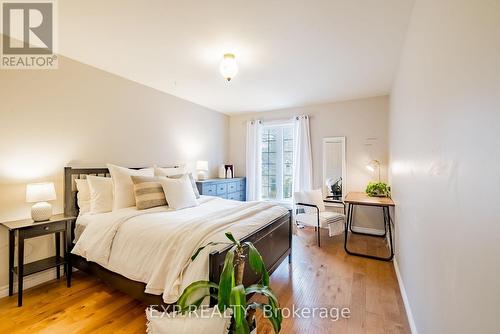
point(226, 188)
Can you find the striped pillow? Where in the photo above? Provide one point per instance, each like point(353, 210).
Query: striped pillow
point(148, 192)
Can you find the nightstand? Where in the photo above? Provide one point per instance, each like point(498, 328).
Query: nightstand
point(57, 225)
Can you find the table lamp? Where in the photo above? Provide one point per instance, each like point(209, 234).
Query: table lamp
point(374, 165)
point(202, 168)
point(40, 193)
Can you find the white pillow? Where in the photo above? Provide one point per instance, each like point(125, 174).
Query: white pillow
point(179, 192)
point(191, 179)
point(83, 195)
point(170, 171)
point(215, 323)
point(101, 194)
point(123, 187)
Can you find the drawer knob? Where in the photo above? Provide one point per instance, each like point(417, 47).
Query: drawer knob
point(46, 228)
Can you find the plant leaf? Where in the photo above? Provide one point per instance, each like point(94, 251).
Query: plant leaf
point(257, 263)
point(203, 247)
point(230, 236)
point(197, 302)
point(191, 289)
point(226, 282)
point(239, 303)
point(263, 290)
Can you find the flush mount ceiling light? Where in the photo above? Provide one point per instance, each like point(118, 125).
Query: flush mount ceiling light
point(228, 67)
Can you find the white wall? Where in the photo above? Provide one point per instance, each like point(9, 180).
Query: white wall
point(363, 122)
point(81, 115)
point(445, 158)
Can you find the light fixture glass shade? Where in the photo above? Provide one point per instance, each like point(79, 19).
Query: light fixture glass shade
point(202, 165)
point(40, 192)
point(228, 67)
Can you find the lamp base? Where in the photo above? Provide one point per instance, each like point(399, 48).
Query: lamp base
point(41, 211)
point(202, 175)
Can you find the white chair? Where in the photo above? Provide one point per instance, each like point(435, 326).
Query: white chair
point(310, 211)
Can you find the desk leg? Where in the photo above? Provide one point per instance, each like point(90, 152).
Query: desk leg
point(347, 227)
point(57, 235)
point(387, 225)
point(388, 210)
point(20, 267)
point(12, 245)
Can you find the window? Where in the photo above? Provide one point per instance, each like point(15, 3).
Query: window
point(277, 162)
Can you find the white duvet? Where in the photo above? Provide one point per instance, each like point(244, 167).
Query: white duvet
point(155, 246)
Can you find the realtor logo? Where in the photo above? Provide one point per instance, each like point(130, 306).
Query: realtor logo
point(28, 39)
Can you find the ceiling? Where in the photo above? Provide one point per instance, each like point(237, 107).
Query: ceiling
point(290, 53)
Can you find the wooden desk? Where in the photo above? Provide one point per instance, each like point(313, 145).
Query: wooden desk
point(359, 198)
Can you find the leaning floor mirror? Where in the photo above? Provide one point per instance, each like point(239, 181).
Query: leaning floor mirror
point(334, 168)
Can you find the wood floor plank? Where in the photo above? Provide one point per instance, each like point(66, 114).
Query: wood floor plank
point(319, 277)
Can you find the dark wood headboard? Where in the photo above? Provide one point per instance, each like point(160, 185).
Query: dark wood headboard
point(71, 174)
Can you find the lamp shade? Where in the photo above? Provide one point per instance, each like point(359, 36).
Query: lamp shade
point(40, 192)
point(373, 165)
point(202, 165)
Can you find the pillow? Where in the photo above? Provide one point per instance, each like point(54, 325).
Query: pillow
point(101, 194)
point(170, 323)
point(191, 179)
point(123, 188)
point(179, 192)
point(83, 195)
point(148, 192)
point(169, 171)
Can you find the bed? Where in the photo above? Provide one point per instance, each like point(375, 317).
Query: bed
point(143, 253)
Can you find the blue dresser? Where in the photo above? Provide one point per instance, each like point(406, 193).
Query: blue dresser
point(226, 188)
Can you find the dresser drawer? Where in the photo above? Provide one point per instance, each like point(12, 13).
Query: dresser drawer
point(42, 229)
point(240, 186)
point(234, 196)
point(209, 189)
point(221, 188)
point(232, 187)
point(241, 196)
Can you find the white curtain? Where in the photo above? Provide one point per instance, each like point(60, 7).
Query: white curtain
point(254, 160)
point(302, 156)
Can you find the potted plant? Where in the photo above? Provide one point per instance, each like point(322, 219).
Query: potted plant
point(232, 294)
point(378, 189)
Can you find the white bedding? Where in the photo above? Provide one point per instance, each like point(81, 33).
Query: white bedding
point(154, 246)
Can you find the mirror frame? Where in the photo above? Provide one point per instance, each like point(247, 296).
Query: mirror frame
point(342, 141)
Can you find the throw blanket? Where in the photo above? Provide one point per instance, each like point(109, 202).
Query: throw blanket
point(172, 255)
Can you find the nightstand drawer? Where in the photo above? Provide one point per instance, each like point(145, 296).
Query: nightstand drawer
point(42, 229)
point(221, 188)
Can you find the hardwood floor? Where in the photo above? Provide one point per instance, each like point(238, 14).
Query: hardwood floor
point(318, 277)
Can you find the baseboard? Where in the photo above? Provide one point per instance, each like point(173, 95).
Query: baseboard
point(367, 230)
point(406, 302)
point(31, 281)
